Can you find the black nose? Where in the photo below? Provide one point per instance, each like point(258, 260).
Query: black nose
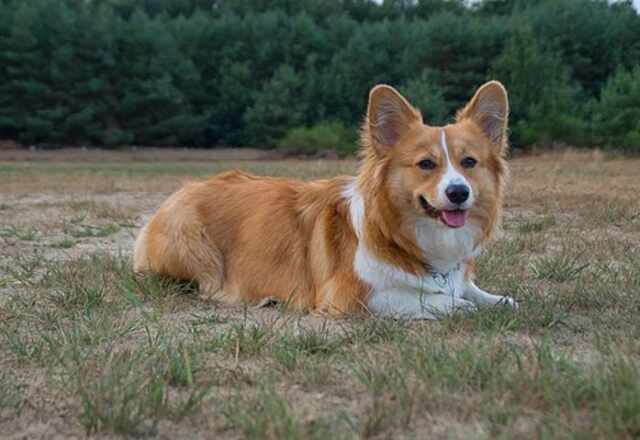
point(457, 193)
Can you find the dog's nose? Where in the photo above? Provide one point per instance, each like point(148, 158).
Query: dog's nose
point(457, 193)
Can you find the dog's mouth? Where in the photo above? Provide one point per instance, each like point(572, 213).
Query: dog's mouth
point(454, 218)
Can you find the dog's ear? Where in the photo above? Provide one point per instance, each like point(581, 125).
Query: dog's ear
point(489, 109)
point(389, 117)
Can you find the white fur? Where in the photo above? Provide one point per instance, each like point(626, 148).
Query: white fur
point(478, 296)
point(395, 292)
point(444, 247)
point(451, 176)
point(415, 305)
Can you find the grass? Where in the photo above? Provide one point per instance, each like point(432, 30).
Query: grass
point(86, 230)
point(537, 224)
point(268, 415)
point(242, 339)
point(24, 234)
point(63, 244)
point(558, 268)
point(129, 392)
point(89, 348)
point(291, 351)
point(11, 393)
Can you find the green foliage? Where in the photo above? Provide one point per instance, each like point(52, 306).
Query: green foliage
point(276, 107)
point(325, 136)
point(616, 120)
point(424, 94)
point(542, 98)
point(204, 73)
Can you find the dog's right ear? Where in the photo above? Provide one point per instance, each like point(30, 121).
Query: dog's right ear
point(389, 118)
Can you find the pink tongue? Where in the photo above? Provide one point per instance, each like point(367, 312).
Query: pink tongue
point(454, 219)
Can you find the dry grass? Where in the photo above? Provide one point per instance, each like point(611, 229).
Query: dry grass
point(88, 348)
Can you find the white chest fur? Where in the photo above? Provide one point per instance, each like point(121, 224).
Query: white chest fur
point(445, 248)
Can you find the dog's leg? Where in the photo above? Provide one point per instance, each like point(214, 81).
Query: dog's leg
point(341, 295)
point(478, 296)
point(415, 305)
point(140, 258)
point(180, 250)
point(204, 262)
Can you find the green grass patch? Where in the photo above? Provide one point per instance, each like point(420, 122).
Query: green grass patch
point(307, 169)
point(24, 234)
point(558, 268)
point(268, 415)
point(128, 393)
point(292, 350)
point(537, 224)
point(63, 244)
point(90, 231)
point(11, 393)
point(244, 339)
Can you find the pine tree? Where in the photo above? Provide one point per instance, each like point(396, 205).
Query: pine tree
point(276, 108)
point(25, 96)
point(542, 97)
point(425, 94)
point(616, 119)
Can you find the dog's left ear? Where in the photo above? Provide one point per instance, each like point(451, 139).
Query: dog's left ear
point(489, 109)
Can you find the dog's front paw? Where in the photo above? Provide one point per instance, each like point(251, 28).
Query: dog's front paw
point(507, 301)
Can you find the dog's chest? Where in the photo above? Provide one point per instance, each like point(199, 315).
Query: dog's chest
point(382, 276)
point(445, 248)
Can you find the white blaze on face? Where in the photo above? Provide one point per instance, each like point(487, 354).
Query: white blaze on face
point(451, 176)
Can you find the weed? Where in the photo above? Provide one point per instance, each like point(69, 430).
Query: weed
point(241, 339)
point(181, 364)
point(558, 268)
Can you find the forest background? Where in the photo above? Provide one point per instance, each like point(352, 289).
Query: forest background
point(295, 74)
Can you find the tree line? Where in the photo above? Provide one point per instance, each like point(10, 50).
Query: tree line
point(289, 73)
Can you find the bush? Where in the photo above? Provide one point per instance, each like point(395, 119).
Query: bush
point(322, 137)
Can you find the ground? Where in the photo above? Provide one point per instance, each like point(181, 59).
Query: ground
point(86, 348)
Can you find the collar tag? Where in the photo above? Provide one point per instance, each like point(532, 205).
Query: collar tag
point(444, 280)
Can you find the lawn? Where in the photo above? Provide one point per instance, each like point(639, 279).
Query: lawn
point(88, 348)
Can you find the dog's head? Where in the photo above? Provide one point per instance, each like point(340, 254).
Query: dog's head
point(451, 175)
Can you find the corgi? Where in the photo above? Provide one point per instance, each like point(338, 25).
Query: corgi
point(399, 239)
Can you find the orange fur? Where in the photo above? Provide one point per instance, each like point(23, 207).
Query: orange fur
point(244, 238)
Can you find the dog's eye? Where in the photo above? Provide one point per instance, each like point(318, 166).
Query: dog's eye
point(426, 164)
point(468, 162)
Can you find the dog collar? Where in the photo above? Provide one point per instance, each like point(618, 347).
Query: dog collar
point(445, 281)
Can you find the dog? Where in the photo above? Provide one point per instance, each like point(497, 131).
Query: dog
point(399, 239)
